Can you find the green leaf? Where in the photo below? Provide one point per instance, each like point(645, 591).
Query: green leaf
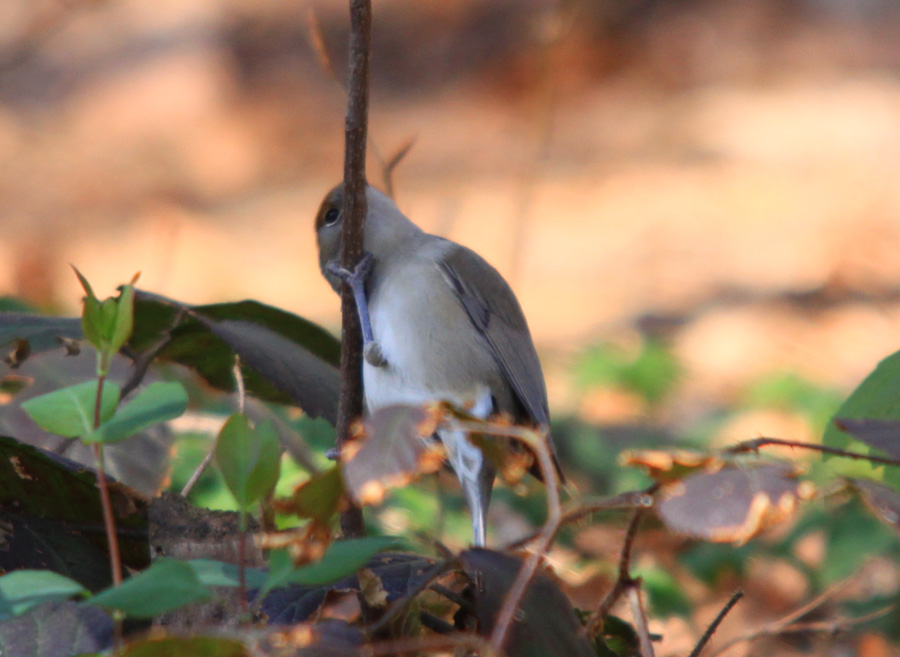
point(342, 558)
point(22, 590)
point(287, 359)
point(165, 586)
point(218, 573)
point(124, 320)
point(320, 496)
point(157, 403)
point(249, 459)
point(69, 412)
point(875, 398)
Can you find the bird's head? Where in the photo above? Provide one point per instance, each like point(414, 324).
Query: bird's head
point(386, 230)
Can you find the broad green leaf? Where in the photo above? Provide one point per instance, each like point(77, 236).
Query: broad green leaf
point(158, 402)
point(249, 458)
point(287, 359)
point(22, 590)
point(69, 412)
point(342, 558)
point(218, 573)
point(165, 586)
point(875, 398)
point(50, 510)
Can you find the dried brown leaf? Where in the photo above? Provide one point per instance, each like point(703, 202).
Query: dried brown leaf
point(731, 505)
point(671, 465)
point(393, 449)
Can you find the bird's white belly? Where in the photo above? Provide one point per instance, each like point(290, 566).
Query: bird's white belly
point(415, 343)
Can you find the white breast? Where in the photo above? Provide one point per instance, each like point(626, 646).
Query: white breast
point(427, 340)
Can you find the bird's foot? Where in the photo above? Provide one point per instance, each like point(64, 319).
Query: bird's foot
point(356, 279)
point(372, 354)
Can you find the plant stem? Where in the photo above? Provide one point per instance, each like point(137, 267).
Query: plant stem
point(354, 213)
point(242, 560)
point(109, 521)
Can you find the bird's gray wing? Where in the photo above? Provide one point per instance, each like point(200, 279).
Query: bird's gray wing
point(494, 311)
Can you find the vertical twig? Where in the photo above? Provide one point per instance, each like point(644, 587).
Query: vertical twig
point(241, 392)
point(551, 526)
point(715, 624)
point(109, 520)
point(623, 580)
point(354, 213)
point(640, 619)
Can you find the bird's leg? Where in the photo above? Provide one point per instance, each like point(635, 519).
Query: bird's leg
point(475, 474)
point(356, 279)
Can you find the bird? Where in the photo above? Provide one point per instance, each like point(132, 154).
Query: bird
point(439, 324)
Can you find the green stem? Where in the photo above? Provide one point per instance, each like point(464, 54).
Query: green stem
point(109, 522)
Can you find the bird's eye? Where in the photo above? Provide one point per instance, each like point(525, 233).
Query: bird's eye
point(331, 216)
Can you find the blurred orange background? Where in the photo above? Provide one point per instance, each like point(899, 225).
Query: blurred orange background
point(724, 173)
point(725, 168)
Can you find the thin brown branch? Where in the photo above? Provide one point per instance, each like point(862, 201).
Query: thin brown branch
point(640, 618)
point(623, 579)
point(143, 360)
point(109, 519)
point(240, 402)
point(551, 526)
point(832, 627)
point(290, 439)
point(627, 500)
point(354, 212)
point(195, 476)
point(701, 644)
point(756, 443)
point(317, 41)
point(388, 166)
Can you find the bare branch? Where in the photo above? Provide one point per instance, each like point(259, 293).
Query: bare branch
point(354, 214)
point(715, 624)
point(832, 627)
point(640, 619)
point(624, 579)
point(189, 486)
point(551, 526)
point(388, 166)
point(628, 500)
point(789, 623)
point(756, 443)
point(142, 361)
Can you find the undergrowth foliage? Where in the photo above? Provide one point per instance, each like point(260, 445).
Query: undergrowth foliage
point(497, 601)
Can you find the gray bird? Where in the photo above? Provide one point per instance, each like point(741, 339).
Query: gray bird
point(439, 323)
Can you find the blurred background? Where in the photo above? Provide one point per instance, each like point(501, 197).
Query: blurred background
point(696, 201)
